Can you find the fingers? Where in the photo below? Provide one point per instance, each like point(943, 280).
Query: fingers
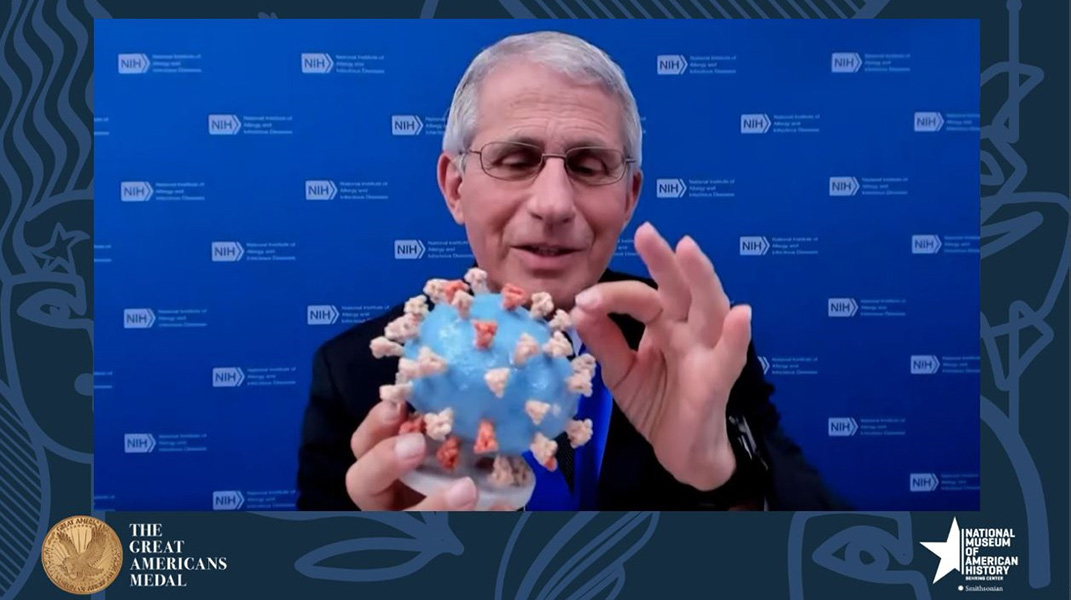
point(370, 481)
point(633, 298)
point(383, 457)
point(709, 305)
point(673, 287)
point(731, 350)
point(603, 338)
point(459, 495)
point(607, 344)
point(381, 423)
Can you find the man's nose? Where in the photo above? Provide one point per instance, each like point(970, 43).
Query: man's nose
point(553, 195)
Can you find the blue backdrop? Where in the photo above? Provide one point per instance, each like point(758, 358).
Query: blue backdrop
point(263, 185)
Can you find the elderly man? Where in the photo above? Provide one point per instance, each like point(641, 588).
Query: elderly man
point(541, 166)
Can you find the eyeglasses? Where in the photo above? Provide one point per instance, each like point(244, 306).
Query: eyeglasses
point(516, 161)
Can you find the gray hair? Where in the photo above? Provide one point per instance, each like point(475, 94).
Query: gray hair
point(562, 53)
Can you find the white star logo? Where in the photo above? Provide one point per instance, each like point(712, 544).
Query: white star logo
point(949, 551)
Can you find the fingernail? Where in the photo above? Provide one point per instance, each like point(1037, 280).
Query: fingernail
point(409, 446)
point(461, 493)
point(588, 299)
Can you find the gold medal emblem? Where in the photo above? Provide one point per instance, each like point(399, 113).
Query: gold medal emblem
point(82, 555)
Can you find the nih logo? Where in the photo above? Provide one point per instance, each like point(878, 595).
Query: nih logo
point(321, 314)
point(843, 186)
point(923, 482)
point(842, 427)
point(320, 189)
point(753, 245)
point(405, 125)
point(670, 188)
point(842, 307)
point(135, 191)
point(138, 443)
point(925, 244)
point(133, 64)
point(227, 252)
point(227, 377)
point(671, 64)
point(224, 124)
point(317, 63)
point(138, 318)
point(754, 123)
point(765, 364)
point(227, 500)
point(924, 365)
point(928, 121)
point(408, 249)
point(846, 62)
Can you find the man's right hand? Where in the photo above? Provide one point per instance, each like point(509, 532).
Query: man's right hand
point(383, 457)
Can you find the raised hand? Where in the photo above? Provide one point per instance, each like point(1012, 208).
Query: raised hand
point(675, 387)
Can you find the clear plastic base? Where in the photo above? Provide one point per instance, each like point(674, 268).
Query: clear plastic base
point(431, 477)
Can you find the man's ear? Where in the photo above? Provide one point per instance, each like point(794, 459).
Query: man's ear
point(449, 175)
point(632, 195)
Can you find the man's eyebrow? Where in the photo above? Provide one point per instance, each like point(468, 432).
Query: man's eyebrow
point(524, 139)
point(576, 143)
point(588, 142)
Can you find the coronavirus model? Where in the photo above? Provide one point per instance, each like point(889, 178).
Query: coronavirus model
point(488, 376)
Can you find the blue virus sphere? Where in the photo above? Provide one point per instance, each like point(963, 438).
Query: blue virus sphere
point(487, 374)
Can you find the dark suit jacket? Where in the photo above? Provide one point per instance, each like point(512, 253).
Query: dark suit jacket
point(345, 386)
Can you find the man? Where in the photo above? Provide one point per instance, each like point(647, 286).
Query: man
point(541, 166)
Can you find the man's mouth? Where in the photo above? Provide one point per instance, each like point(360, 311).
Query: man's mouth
point(547, 250)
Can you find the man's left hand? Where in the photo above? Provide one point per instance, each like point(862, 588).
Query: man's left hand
point(675, 387)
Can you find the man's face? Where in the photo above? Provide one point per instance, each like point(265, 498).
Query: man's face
point(547, 233)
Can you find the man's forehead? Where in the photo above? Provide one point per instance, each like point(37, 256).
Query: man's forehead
point(532, 104)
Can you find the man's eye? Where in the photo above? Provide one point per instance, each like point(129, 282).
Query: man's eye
point(518, 160)
point(588, 163)
point(589, 167)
